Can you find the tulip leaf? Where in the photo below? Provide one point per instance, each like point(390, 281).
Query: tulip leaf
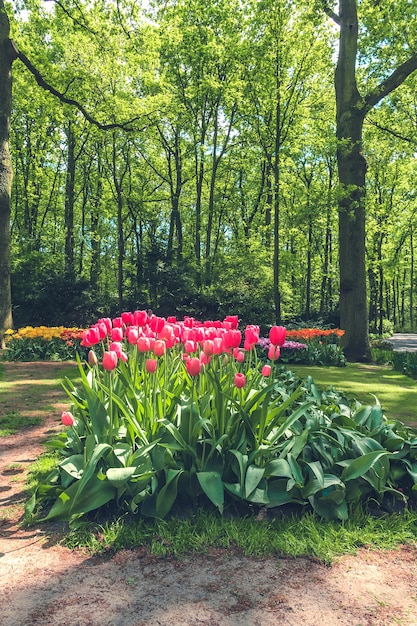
point(212, 485)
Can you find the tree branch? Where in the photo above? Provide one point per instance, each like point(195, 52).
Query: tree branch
point(392, 132)
point(393, 81)
point(126, 126)
point(334, 16)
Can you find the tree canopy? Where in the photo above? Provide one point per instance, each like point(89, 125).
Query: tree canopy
point(202, 159)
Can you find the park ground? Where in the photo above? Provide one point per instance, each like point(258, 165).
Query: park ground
point(44, 583)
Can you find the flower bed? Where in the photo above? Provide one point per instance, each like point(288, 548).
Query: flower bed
point(183, 413)
point(44, 343)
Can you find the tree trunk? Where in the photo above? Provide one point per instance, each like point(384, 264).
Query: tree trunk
point(7, 56)
point(352, 170)
point(69, 203)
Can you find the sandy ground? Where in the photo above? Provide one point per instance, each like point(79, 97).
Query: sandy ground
point(44, 584)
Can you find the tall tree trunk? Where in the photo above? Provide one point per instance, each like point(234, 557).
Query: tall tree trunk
point(351, 109)
point(352, 170)
point(69, 203)
point(7, 56)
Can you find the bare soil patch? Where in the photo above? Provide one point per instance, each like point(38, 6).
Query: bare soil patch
point(42, 583)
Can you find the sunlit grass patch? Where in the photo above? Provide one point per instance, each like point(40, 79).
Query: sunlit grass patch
point(12, 422)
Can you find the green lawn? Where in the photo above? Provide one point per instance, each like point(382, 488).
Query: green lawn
point(396, 393)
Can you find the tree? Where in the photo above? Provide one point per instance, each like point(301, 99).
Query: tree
point(351, 110)
point(7, 56)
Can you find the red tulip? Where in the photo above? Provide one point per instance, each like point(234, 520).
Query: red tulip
point(117, 322)
point(266, 371)
point(151, 365)
point(240, 380)
point(193, 366)
point(277, 335)
point(110, 360)
point(67, 418)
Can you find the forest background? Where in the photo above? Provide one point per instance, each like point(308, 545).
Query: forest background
point(183, 157)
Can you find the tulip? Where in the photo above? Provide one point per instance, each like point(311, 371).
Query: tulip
point(127, 318)
point(67, 418)
point(190, 346)
point(266, 371)
point(252, 334)
point(208, 347)
point(116, 347)
point(92, 358)
point(232, 338)
point(277, 335)
point(117, 322)
point(151, 365)
point(159, 347)
point(193, 366)
point(239, 355)
point(110, 360)
point(273, 352)
point(140, 318)
point(90, 337)
point(144, 344)
point(116, 334)
point(240, 380)
point(132, 336)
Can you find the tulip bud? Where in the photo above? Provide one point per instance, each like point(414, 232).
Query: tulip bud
point(92, 358)
point(151, 365)
point(110, 360)
point(240, 380)
point(67, 418)
point(266, 371)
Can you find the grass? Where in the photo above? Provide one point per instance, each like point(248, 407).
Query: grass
point(296, 535)
point(11, 423)
point(396, 392)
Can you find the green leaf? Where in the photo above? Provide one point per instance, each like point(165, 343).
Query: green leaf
point(359, 466)
point(253, 477)
point(212, 485)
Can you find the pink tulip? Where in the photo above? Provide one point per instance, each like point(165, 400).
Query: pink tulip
point(193, 366)
point(252, 334)
point(277, 335)
point(151, 365)
point(140, 318)
point(127, 318)
point(208, 347)
point(110, 360)
point(273, 352)
point(266, 371)
point(232, 338)
point(116, 347)
point(159, 347)
point(239, 355)
point(117, 322)
point(144, 344)
point(90, 337)
point(67, 418)
point(190, 346)
point(132, 336)
point(240, 380)
point(116, 334)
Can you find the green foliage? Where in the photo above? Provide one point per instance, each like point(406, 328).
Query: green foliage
point(148, 442)
point(40, 350)
point(405, 362)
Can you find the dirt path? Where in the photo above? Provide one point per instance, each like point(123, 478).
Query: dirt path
point(44, 584)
